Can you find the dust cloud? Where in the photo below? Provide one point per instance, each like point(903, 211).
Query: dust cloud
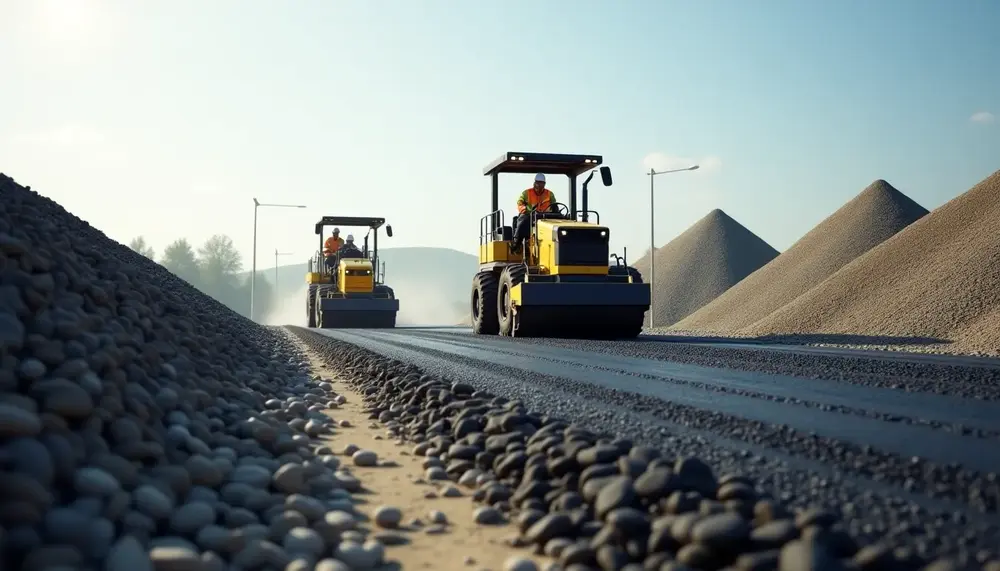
point(420, 303)
point(423, 303)
point(289, 310)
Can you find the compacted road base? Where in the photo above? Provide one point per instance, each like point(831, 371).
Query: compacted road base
point(745, 455)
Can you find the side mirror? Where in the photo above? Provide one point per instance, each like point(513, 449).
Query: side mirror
point(606, 175)
point(388, 231)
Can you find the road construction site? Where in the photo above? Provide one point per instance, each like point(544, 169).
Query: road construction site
point(143, 425)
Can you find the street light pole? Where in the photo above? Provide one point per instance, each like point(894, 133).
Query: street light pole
point(652, 237)
point(253, 271)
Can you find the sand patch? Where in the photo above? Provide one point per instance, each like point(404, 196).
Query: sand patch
point(463, 544)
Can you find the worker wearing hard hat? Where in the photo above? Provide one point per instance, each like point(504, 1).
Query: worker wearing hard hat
point(534, 199)
point(331, 246)
point(333, 243)
point(349, 249)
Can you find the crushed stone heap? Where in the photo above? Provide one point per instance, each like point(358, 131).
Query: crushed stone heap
point(706, 260)
point(867, 220)
point(142, 423)
point(939, 278)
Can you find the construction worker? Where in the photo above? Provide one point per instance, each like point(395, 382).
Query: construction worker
point(349, 250)
point(534, 199)
point(331, 246)
point(333, 243)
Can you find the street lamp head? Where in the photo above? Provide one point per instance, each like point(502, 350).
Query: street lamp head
point(694, 168)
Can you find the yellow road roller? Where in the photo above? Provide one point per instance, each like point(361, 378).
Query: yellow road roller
point(347, 290)
point(560, 281)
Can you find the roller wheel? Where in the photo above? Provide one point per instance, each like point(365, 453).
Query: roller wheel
point(311, 306)
point(620, 270)
point(484, 302)
point(511, 276)
point(382, 288)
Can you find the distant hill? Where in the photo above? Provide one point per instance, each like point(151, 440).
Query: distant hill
point(432, 285)
point(867, 220)
point(696, 267)
point(937, 278)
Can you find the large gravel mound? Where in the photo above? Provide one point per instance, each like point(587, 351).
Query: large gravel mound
point(706, 260)
point(870, 218)
point(143, 424)
point(938, 278)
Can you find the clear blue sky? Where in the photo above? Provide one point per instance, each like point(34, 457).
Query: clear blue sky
point(166, 118)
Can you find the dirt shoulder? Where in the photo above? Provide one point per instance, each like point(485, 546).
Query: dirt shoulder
point(397, 481)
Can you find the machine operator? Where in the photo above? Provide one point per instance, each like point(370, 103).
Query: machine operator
point(349, 250)
point(331, 246)
point(534, 199)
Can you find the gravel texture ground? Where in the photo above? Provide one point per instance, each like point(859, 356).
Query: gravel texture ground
point(706, 260)
point(145, 426)
point(938, 278)
point(435, 393)
point(867, 220)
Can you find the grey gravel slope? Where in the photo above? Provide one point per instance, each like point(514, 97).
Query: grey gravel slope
point(870, 218)
point(880, 492)
point(938, 278)
point(696, 267)
point(144, 425)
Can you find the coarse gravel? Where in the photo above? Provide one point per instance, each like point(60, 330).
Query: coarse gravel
point(603, 501)
point(144, 425)
point(705, 260)
point(867, 220)
point(938, 278)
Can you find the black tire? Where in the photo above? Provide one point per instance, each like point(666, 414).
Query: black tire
point(382, 288)
point(311, 307)
point(484, 302)
point(629, 270)
point(511, 276)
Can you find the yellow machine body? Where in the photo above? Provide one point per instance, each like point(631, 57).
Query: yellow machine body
point(561, 282)
point(355, 275)
point(349, 292)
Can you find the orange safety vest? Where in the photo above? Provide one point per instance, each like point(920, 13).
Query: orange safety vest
point(332, 245)
point(535, 200)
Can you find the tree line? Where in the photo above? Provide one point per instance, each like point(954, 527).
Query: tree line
point(214, 270)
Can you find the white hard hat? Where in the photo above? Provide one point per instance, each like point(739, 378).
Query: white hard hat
point(539, 177)
point(350, 237)
point(336, 230)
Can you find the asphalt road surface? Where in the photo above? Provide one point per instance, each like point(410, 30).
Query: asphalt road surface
point(904, 445)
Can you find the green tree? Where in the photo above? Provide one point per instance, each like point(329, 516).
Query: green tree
point(219, 262)
point(179, 258)
point(139, 245)
point(263, 297)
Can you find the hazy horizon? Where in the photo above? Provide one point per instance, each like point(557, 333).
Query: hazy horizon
point(166, 120)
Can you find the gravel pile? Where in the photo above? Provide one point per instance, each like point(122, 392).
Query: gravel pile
point(697, 266)
point(870, 218)
point(938, 278)
point(590, 500)
point(145, 426)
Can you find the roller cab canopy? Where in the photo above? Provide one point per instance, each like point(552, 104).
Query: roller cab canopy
point(548, 163)
point(370, 222)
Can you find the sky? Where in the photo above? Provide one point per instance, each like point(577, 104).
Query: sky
point(165, 119)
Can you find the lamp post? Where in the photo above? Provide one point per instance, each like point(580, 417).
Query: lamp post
point(253, 271)
point(652, 240)
point(276, 254)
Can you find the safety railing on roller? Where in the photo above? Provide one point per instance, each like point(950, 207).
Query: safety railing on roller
point(486, 234)
point(584, 216)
